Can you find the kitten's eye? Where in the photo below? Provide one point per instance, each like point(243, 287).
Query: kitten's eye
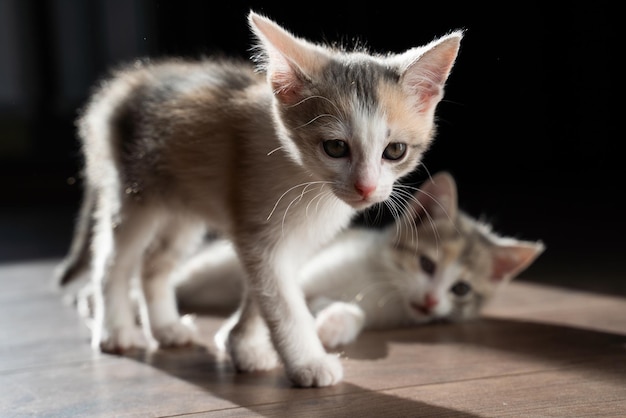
point(336, 148)
point(427, 265)
point(461, 288)
point(394, 151)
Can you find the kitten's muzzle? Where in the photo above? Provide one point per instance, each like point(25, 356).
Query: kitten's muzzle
point(427, 306)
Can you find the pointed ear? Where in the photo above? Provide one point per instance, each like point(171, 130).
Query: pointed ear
point(436, 198)
point(511, 257)
point(427, 69)
point(288, 61)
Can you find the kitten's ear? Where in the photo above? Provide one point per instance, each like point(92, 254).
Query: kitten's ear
point(436, 198)
point(511, 257)
point(287, 60)
point(426, 70)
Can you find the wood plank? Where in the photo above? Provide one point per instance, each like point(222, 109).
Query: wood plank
point(539, 351)
point(556, 305)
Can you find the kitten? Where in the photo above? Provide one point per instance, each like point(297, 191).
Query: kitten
point(434, 263)
point(278, 158)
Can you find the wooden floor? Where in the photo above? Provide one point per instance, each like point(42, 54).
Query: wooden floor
point(539, 352)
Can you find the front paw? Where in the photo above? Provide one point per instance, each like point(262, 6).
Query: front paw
point(120, 340)
point(251, 352)
point(176, 334)
point(339, 324)
point(318, 372)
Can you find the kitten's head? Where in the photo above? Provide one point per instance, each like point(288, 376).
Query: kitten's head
point(355, 120)
point(452, 264)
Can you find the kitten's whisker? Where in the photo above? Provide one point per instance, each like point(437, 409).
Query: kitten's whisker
point(409, 210)
point(296, 200)
point(284, 194)
point(397, 220)
point(382, 301)
point(410, 215)
point(396, 212)
point(326, 195)
point(392, 203)
point(374, 211)
point(370, 288)
point(429, 217)
point(409, 221)
point(434, 199)
point(274, 150)
point(430, 177)
point(317, 97)
point(317, 117)
point(379, 213)
point(304, 190)
point(321, 193)
point(299, 198)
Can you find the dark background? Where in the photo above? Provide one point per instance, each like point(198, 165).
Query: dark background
point(527, 126)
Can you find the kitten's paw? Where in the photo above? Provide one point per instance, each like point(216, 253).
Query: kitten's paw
point(251, 353)
point(120, 340)
point(339, 324)
point(177, 334)
point(319, 372)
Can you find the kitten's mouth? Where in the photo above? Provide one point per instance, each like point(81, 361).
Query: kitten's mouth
point(421, 309)
point(360, 204)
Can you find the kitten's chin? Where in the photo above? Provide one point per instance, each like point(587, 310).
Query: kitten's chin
point(422, 319)
point(359, 203)
point(420, 315)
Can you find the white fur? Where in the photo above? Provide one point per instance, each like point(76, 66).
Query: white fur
point(365, 279)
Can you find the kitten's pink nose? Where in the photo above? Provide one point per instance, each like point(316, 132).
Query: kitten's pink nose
point(430, 301)
point(364, 189)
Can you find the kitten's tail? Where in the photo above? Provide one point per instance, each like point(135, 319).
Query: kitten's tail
point(78, 257)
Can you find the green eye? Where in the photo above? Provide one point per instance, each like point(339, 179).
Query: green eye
point(394, 151)
point(336, 148)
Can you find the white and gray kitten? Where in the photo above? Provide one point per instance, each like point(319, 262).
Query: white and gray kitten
point(434, 263)
point(278, 158)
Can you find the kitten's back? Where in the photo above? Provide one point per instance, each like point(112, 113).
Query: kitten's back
point(164, 127)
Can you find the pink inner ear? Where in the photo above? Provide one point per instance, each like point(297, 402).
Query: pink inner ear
point(503, 266)
point(286, 56)
point(286, 85)
point(425, 92)
point(425, 78)
point(510, 260)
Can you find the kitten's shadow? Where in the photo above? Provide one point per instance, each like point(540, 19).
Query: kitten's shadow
point(271, 394)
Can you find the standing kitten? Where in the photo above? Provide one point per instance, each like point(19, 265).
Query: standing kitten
point(433, 263)
point(278, 159)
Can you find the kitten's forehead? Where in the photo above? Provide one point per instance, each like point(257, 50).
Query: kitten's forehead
point(370, 92)
point(359, 75)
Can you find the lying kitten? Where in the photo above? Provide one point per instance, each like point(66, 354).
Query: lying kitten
point(278, 158)
point(434, 263)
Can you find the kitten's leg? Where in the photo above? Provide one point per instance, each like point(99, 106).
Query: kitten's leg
point(292, 328)
point(246, 338)
point(211, 280)
point(337, 323)
point(173, 244)
point(117, 254)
